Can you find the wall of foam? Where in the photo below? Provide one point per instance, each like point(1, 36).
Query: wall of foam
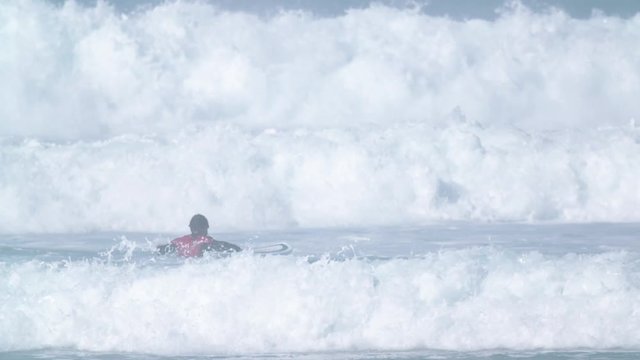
point(136, 120)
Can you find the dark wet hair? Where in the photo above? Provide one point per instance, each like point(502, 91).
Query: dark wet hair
point(199, 222)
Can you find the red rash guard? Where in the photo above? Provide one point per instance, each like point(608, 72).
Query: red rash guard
point(191, 246)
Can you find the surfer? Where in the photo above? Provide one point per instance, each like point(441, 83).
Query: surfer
point(198, 242)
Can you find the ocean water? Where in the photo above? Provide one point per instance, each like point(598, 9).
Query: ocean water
point(457, 290)
point(457, 180)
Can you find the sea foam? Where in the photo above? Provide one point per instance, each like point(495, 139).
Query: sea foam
point(466, 299)
point(135, 120)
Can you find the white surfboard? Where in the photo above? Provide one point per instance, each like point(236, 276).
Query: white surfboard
point(273, 249)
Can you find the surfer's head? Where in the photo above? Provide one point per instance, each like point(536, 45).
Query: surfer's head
point(199, 225)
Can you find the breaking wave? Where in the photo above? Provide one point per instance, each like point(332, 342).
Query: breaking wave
point(135, 120)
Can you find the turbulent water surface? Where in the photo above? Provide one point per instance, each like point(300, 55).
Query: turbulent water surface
point(447, 291)
point(457, 181)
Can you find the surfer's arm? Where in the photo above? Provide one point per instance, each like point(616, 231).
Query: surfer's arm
point(222, 246)
point(166, 248)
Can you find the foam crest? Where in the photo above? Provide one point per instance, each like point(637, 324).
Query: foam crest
point(469, 299)
point(75, 72)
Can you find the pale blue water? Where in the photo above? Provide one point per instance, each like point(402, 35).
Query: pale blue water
point(427, 355)
point(459, 9)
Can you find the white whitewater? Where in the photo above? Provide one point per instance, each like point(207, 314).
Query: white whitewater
point(573, 292)
point(132, 121)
